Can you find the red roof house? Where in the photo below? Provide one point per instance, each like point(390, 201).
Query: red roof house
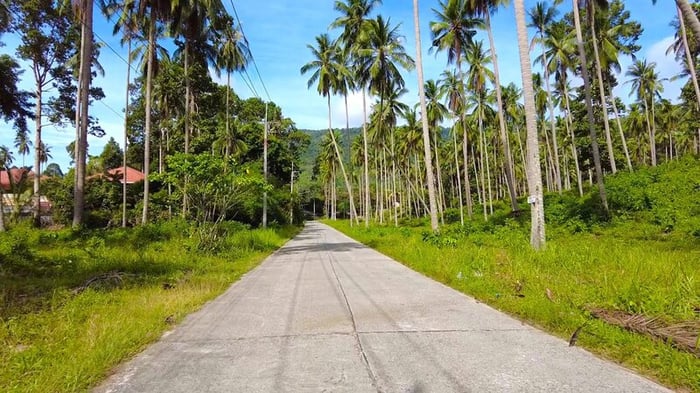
point(16, 174)
point(132, 175)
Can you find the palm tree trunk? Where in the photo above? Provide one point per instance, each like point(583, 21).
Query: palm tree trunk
point(36, 213)
point(482, 146)
point(424, 120)
point(347, 131)
point(689, 57)
point(480, 198)
point(690, 16)
point(84, 91)
point(652, 137)
point(534, 175)
point(393, 179)
point(601, 88)
point(574, 150)
point(368, 206)
point(228, 121)
point(508, 163)
point(2, 207)
point(459, 181)
point(465, 142)
point(589, 108)
point(438, 171)
point(622, 133)
point(488, 173)
point(126, 132)
point(553, 127)
point(147, 130)
point(353, 213)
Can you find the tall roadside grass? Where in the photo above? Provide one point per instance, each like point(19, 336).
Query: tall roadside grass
point(75, 304)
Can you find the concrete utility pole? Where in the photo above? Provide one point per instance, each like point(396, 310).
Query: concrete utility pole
point(291, 193)
point(264, 217)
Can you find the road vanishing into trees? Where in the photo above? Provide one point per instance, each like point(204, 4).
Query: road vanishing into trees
point(327, 314)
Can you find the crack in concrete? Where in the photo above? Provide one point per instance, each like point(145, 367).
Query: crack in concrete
point(363, 354)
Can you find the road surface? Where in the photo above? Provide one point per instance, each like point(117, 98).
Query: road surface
point(327, 314)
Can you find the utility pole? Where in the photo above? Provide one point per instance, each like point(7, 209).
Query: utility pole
point(291, 196)
point(264, 217)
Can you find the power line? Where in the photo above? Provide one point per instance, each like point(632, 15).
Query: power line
point(252, 58)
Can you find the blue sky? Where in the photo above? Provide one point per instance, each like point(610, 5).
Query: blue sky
point(278, 32)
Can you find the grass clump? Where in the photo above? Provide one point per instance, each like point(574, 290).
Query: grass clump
point(58, 334)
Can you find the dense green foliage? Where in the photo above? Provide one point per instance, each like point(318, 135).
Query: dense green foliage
point(61, 334)
point(645, 260)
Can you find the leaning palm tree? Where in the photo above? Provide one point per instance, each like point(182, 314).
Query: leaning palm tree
point(484, 8)
point(534, 174)
point(589, 107)
point(453, 32)
point(424, 120)
point(325, 68)
point(683, 51)
point(689, 15)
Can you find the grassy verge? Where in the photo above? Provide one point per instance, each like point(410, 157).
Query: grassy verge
point(59, 335)
point(631, 267)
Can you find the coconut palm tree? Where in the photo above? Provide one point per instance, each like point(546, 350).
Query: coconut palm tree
point(353, 18)
point(22, 144)
point(647, 85)
point(559, 53)
point(682, 49)
point(541, 17)
point(478, 75)
point(689, 15)
point(534, 174)
point(148, 13)
point(484, 8)
point(191, 20)
point(452, 89)
point(591, 10)
point(435, 113)
point(232, 55)
point(424, 121)
point(325, 68)
point(453, 32)
point(589, 107)
point(381, 54)
point(127, 24)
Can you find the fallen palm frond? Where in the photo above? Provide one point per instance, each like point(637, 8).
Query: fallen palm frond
point(683, 336)
point(112, 278)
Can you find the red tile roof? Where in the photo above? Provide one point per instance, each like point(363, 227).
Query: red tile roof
point(16, 174)
point(132, 175)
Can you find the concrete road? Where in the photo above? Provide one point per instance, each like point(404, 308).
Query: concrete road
point(326, 314)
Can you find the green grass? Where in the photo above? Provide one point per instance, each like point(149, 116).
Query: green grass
point(53, 339)
point(628, 266)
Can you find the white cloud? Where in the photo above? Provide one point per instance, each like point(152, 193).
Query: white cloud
point(666, 66)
